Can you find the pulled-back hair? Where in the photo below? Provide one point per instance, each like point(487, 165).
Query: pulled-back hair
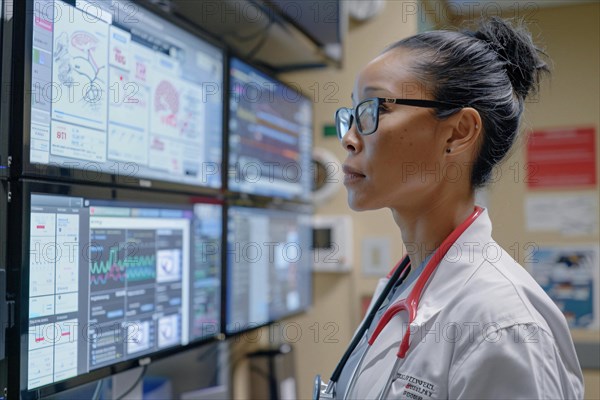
point(492, 70)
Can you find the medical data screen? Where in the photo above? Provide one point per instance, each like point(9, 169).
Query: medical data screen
point(270, 136)
point(116, 89)
point(111, 281)
point(268, 266)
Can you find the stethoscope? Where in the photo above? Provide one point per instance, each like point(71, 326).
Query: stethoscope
point(409, 304)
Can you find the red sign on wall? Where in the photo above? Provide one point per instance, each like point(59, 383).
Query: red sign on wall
point(562, 157)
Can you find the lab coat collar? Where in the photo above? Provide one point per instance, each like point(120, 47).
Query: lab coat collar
point(476, 239)
point(471, 250)
point(479, 233)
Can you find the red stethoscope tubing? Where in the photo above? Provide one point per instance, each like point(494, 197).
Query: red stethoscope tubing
point(411, 302)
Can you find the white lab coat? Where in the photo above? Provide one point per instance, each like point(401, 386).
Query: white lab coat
point(484, 330)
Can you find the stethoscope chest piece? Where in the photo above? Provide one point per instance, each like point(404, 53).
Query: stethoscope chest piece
point(317, 388)
point(322, 390)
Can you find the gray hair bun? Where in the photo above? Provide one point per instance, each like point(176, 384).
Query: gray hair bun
point(515, 49)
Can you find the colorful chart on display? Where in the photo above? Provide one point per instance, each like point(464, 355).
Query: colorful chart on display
point(119, 90)
point(113, 281)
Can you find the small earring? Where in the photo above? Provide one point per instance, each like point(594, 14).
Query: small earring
point(476, 126)
point(448, 150)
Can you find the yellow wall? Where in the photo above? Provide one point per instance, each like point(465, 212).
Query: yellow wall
point(571, 97)
point(571, 37)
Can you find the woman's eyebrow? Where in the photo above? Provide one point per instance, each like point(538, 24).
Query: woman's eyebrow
point(372, 88)
point(377, 89)
point(367, 90)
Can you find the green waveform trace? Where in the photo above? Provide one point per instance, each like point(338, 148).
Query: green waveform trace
point(135, 268)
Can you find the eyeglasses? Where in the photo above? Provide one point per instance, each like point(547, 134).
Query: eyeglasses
point(366, 113)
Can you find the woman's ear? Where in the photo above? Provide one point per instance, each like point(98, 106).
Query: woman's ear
point(465, 131)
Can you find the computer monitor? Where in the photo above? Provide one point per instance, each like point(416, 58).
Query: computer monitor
point(121, 93)
point(113, 281)
point(270, 135)
point(268, 265)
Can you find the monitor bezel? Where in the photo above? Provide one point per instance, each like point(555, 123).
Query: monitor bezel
point(5, 95)
point(270, 74)
point(19, 281)
point(4, 193)
point(21, 115)
point(292, 208)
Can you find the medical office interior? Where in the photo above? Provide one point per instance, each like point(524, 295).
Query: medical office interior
point(173, 221)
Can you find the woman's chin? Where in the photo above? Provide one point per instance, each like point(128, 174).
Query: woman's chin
point(357, 204)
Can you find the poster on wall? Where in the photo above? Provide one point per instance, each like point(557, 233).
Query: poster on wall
point(569, 214)
point(561, 158)
point(570, 276)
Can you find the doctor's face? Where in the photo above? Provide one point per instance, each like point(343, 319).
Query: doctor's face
point(396, 165)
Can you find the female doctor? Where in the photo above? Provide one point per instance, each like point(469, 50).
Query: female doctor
point(458, 317)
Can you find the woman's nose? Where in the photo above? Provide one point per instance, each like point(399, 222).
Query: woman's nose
point(352, 140)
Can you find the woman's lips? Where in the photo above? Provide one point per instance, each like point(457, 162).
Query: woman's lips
point(352, 175)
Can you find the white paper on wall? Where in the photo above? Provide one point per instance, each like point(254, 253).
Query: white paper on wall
point(568, 214)
point(376, 259)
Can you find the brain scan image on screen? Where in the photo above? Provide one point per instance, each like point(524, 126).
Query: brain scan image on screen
point(141, 100)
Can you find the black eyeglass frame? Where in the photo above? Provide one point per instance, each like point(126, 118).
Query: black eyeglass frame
point(378, 100)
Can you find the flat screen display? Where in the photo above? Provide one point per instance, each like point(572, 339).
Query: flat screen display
point(270, 136)
point(117, 89)
point(111, 281)
point(268, 266)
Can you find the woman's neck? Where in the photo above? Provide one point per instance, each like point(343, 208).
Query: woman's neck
point(424, 227)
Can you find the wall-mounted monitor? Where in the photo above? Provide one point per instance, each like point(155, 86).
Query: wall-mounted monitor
point(118, 92)
point(111, 281)
point(268, 265)
point(270, 135)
